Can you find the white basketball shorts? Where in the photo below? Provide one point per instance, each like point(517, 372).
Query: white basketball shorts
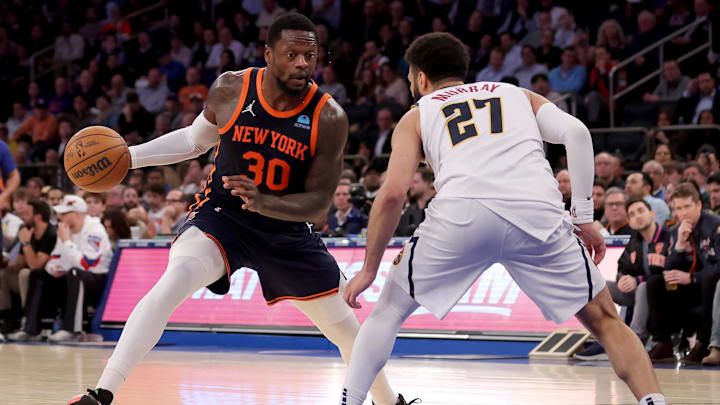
point(461, 238)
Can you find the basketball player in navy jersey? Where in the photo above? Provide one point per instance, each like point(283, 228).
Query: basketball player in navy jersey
point(278, 159)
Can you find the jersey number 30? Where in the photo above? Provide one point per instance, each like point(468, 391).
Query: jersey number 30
point(459, 114)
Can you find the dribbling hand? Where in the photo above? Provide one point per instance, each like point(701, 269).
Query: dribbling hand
point(593, 241)
point(356, 286)
point(243, 187)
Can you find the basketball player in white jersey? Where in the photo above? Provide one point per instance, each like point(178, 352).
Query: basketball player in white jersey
point(497, 202)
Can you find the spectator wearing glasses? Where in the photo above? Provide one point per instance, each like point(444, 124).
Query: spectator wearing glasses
point(615, 212)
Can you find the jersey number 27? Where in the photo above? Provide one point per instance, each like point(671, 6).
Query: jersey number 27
point(458, 114)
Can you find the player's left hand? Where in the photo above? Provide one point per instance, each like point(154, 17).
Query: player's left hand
point(246, 189)
point(593, 241)
point(356, 286)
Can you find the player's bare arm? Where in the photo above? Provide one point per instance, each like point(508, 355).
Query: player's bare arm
point(313, 204)
point(387, 207)
point(558, 127)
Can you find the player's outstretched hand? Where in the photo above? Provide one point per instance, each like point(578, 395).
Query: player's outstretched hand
point(593, 240)
point(356, 286)
point(243, 187)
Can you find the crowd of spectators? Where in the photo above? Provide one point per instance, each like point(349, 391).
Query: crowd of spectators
point(148, 75)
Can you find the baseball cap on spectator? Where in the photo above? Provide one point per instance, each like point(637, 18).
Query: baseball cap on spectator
point(71, 203)
point(196, 96)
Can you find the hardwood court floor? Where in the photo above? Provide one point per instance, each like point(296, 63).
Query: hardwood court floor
point(51, 374)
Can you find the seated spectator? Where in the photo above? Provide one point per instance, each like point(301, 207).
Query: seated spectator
point(69, 46)
point(80, 114)
point(392, 88)
point(672, 86)
point(537, 32)
point(154, 196)
point(12, 219)
point(371, 59)
point(598, 98)
point(689, 280)
point(153, 96)
point(163, 125)
point(381, 138)
point(333, 87)
point(566, 30)
point(694, 171)
point(371, 181)
point(113, 197)
point(95, 204)
point(713, 189)
point(173, 70)
point(179, 52)
point(269, 12)
point(365, 87)
point(548, 54)
point(604, 170)
point(529, 68)
point(61, 101)
point(598, 200)
point(701, 95)
point(115, 23)
point(344, 219)
point(615, 212)
point(657, 173)
point(55, 197)
point(513, 52)
point(104, 113)
point(86, 86)
point(495, 70)
point(35, 186)
point(130, 198)
point(644, 255)
point(638, 186)
point(117, 226)
point(19, 115)
point(135, 123)
point(226, 43)
point(158, 176)
point(37, 239)
point(662, 154)
point(611, 36)
point(569, 76)
point(174, 213)
point(227, 64)
point(563, 179)
point(420, 194)
point(192, 178)
point(41, 126)
point(118, 91)
point(541, 86)
point(193, 87)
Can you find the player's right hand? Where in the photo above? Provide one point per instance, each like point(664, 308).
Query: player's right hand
point(593, 241)
point(356, 286)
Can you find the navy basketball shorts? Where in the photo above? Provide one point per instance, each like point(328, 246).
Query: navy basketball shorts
point(291, 261)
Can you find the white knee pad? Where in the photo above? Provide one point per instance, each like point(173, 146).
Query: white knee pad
point(196, 244)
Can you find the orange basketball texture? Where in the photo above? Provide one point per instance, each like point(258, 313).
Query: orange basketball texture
point(97, 158)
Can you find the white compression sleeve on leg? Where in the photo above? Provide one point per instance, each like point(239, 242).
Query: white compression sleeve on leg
point(176, 146)
point(338, 323)
point(559, 127)
point(195, 262)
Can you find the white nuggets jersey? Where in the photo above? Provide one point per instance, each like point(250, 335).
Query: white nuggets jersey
point(483, 142)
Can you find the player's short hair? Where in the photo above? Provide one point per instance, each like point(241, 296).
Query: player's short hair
point(439, 55)
point(289, 21)
point(684, 190)
point(41, 208)
point(635, 201)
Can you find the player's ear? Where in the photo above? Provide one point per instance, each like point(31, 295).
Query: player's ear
point(268, 54)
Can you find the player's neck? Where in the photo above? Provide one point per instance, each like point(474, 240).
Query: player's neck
point(278, 98)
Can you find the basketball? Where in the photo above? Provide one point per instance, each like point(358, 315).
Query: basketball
point(97, 158)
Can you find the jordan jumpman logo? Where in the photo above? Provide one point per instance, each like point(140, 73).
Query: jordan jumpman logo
point(249, 109)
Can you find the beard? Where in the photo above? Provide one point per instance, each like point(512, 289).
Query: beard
point(284, 84)
point(415, 91)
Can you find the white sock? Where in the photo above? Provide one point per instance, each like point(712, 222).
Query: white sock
point(194, 263)
point(653, 399)
point(375, 341)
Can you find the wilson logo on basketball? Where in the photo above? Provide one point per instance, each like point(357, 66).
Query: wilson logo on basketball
point(92, 169)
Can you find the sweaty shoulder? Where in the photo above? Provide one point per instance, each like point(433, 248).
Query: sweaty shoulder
point(332, 126)
point(225, 88)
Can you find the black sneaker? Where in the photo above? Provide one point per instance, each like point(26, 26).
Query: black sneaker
point(93, 397)
point(401, 401)
point(594, 352)
point(698, 352)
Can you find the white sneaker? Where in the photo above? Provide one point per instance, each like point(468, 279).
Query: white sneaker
point(22, 336)
point(62, 336)
point(2, 338)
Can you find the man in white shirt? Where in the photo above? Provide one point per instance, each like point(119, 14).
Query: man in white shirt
point(226, 42)
point(269, 13)
point(529, 68)
point(179, 52)
point(495, 70)
point(79, 263)
point(513, 52)
point(19, 115)
point(154, 95)
point(69, 46)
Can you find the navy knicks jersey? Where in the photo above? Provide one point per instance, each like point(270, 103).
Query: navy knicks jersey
point(274, 148)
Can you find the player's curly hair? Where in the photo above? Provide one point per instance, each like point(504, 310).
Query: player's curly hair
point(289, 21)
point(439, 55)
